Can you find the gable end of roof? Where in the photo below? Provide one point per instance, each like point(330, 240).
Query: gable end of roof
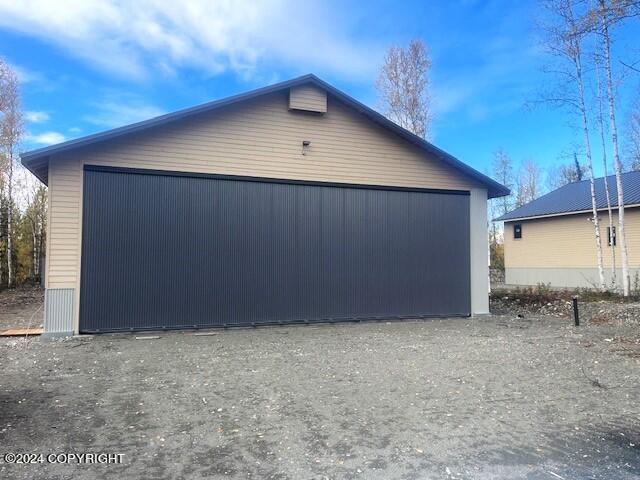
point(37, 160)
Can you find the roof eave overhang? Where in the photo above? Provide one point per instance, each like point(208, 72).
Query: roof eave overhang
point(39, 166)
point(560, 214)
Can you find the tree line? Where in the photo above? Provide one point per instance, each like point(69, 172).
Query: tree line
point(23, 199)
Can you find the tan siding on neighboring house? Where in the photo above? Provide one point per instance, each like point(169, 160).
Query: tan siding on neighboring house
point(567, 241)
point(261, 138)
point(308, 97)
point(632, 231)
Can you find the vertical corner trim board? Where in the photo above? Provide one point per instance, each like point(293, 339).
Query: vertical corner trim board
point(479, 243)
point(58, 311)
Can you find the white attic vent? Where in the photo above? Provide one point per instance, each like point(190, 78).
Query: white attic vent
point(308, 98)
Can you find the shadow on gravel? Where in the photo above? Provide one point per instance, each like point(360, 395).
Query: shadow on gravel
point(609, 450)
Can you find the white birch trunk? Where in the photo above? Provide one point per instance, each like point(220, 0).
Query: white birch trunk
point(577, 60)
point(614, 283)
point(9, 225)
point(616, 154)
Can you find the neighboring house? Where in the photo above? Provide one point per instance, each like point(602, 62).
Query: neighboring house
point(551, 240)
point(291, 203)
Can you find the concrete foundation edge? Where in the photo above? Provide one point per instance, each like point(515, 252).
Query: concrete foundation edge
point(563, 277)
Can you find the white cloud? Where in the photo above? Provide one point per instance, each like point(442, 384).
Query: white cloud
point(46, 138)
point(138, 39)
point(123, 109)
point(36, 116)
point(451, 96)
point(25, 75)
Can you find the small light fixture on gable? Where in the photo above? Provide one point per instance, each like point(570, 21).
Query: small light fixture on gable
point(305, 146)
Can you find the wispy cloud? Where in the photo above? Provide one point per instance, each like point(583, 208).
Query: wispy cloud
point(499, 82)
point(123, 109)
point(34, 116)
point(476, 80)
point(137, 39)
point(46, 138)
point(451, 96)
point(25, 75)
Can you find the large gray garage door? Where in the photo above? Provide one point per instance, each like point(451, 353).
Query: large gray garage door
point(167, 250)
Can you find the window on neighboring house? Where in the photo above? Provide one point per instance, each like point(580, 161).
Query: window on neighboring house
point(517, 231)
point(611, 236)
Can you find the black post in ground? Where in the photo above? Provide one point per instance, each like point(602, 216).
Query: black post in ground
point(576, 316)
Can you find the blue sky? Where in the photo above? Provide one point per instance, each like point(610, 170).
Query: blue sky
point(94, 65)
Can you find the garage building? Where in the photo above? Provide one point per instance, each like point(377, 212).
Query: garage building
point(293, 203)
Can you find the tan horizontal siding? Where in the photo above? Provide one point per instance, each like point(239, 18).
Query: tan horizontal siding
point(260, 138)
point(308, 97)
point(263, 138)
point(65, 183)
point(568, 241)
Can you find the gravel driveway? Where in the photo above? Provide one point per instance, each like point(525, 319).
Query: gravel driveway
point(455, 398)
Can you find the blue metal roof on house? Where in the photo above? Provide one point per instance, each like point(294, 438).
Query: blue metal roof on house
point(37, 161)
point(576, 197)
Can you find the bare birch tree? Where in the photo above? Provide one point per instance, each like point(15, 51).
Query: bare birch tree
point(32, 200)
point(528, 182)
point(603, 17)
point(403, 87)
point(603, 144)
point(11, 129)
point(564, 40)
point(36, 215)
point(560, 175)
point(503, 172)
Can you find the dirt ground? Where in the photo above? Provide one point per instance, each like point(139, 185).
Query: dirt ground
point(21, 307)
point(495, 397)
point(558, 303)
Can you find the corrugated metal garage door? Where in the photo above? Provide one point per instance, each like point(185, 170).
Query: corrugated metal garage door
point(177, 251)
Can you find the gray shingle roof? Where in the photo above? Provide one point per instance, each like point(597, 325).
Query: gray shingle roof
point(576, 197)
